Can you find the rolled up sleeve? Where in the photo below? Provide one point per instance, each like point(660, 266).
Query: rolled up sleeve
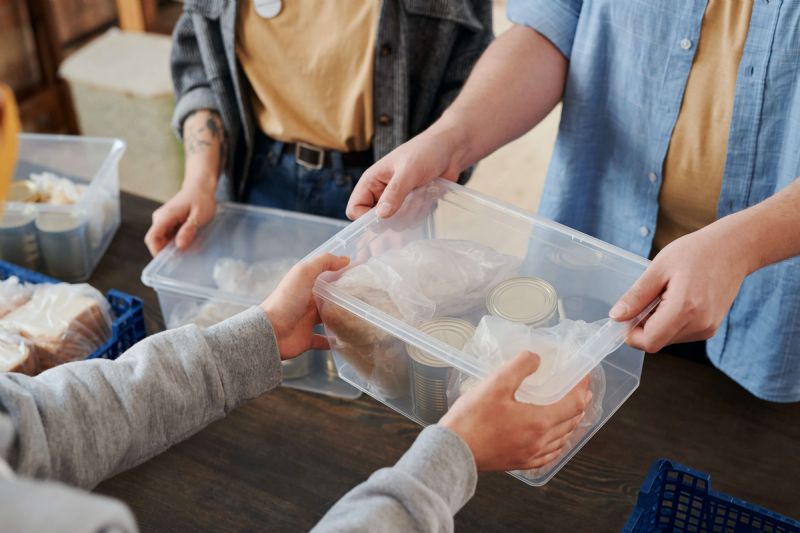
point(556, 20)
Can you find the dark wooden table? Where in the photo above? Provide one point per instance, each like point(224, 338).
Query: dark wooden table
point(280, 461)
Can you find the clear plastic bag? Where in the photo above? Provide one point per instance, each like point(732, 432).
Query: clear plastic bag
point(497, 341)
point(423, 279)
point(17, 354)
point(13, 294)
point(236, 277)
point(63, 322)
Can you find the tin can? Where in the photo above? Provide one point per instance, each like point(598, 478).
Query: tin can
point(298, 367)
point(18, 240)
point(430, 376)
point(531, 301)
point(64, 245)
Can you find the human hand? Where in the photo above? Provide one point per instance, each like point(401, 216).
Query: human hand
point(435, 153)
point(291, 308)
point(697, 276)
point(505, 434)
point(180, 218)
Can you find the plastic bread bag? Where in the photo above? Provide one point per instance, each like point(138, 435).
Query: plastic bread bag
point(258, 279)
point(497, 340)
point(423, 279)
point(236, 277)
point(416, 282)
point(17, 354)
point(13, 294)
point(63, 322)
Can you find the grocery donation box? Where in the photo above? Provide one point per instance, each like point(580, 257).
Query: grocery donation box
point(63, 207)
point(235, 262)
point(440, 295)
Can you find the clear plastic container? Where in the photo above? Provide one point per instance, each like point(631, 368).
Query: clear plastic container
point(234, 263)
point(64, 241)
point(587, 274)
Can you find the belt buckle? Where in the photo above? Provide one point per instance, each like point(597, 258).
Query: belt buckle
point(311, 148)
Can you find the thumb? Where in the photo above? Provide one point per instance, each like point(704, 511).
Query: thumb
point(513, 373)
point(325, 263)
point(647, 288)
point(399, 186)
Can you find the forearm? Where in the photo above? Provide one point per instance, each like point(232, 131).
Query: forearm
point(422, 492)
point(85, 421)
point(512, 88)
point(205, 144)
point(767, 232)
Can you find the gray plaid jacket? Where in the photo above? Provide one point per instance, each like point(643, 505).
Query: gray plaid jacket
point(425, 50)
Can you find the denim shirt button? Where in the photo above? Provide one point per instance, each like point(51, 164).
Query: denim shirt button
point(652, 177)
point(643, 231)
point(686, 44)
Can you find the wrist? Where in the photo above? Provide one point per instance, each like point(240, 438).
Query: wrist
point(741, 236)
point(451, 133)
point(203, 182)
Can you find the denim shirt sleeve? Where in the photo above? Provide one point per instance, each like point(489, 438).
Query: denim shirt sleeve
point(555, 19)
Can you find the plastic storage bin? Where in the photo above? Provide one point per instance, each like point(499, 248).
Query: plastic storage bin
point(127, 328)
point(588, 276)
point(67, 241)
point(677, 498)
point(210, 281)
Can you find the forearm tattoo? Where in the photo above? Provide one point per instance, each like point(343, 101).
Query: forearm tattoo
point(201, 137)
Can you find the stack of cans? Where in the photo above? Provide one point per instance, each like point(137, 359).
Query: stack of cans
point(429, 375)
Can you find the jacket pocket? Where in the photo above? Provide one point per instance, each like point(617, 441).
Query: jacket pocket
point(460, 11)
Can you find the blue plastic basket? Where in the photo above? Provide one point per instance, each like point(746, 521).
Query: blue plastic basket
point(127, 328)
point(676, 498)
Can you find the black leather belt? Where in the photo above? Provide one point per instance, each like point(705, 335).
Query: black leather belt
point(314, 157)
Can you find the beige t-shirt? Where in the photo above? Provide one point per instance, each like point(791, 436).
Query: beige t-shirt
point(695, 162)
point(311, 69)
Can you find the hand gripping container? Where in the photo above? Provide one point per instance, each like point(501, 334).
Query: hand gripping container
point(587, 274)
point(679, 499)
point(234, 263)
point(64, 241)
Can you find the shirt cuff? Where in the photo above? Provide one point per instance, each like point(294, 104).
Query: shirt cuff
point(556, 20)
point(247, 355)
point(191, 101)
point(443, 462)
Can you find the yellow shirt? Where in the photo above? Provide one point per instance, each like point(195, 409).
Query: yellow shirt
point(311, 69)
point(695, 162)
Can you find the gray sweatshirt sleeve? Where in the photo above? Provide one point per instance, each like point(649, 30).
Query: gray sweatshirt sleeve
point(422, 492)
point(83, 422)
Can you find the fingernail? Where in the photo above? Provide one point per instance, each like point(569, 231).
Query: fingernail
point(383, 209)
point(587, 397)
point(619, 309)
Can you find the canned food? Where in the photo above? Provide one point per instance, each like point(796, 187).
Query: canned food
point(63, 244)
point(429, 375)
point(18, 240)
point(531, 301)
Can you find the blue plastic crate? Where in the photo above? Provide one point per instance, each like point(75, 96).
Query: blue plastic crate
point(127, 328)
point(675, 498)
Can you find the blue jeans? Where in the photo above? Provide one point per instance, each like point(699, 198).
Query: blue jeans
point(276, 180)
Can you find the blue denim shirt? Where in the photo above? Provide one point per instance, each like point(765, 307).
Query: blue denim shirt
point(628, 65)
